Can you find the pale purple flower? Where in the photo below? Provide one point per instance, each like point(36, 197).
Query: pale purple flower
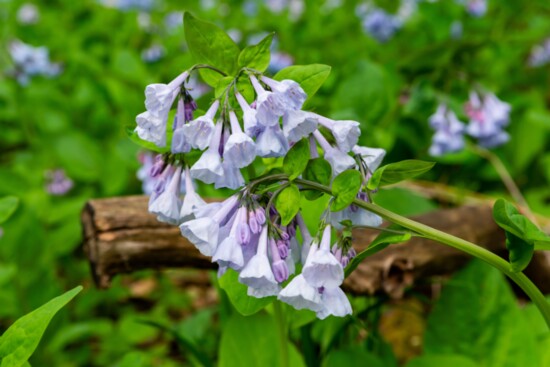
point(269, 106)
point(230, 178)
point(57, 182)
point(160, 97)
point(372, 157)
point(271, 142)
point(30, 61)
point(476, 8)
point(540, 54)
point(278, 265)
point(28, 14)
point(358, 216)
point(345, 132)
point(199, 132)
point(249, 117)
point(334, 302)
point(179, 140)
point(192, 201)
point(381, 25)
point(322, 269)
point(339, 161)
point(240, 149)
point(167, 205)
point(229, 252)
point(153, 53)
point(301, 295)
point(298, 124)
point(257, 273)
point(279, 61)
point(145, 173)
point(203, 231)
point(289, 92)
point(449, 132)
point(208, 168)
point(488, 116)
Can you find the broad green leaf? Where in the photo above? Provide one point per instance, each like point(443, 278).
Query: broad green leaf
point(256, 56)
point(399, 171)
point(520, 252)
point(250, 341)
point(8, 205)
point(477, 316)
point(383, 240)
point(296, 159)
point(345, 188)
point(237, 293)
point(522, 236)
point(442, 360)
point(21, 339)
point(320, 171)
point(210, 45)
point(352, 356)
point(310, 77)
point(287, 203)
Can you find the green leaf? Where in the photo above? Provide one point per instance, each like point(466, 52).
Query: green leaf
point(383, 240)
point(222, 85)
point(318, 170)
point(256, 56)
point(237, 293)
point(477, 316)
point(287, 203)
point(442, 360)
point(520, 252)
point(345, 188)
point(522, 236)
point(352, 356)
point(399, 171)
point(250, 341)
point(19, 342)
point(8, 205)
point(296, 159)
point(310, 77)
point(210, 45)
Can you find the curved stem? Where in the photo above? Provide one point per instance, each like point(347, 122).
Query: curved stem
point(470, 248)
point(205, 66)
point(506, 178)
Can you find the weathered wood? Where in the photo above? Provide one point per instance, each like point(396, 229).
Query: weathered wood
point(120, 236)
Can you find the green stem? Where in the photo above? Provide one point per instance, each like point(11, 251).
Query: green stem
point(506, 178)
point(470, 248)
point(281, 328)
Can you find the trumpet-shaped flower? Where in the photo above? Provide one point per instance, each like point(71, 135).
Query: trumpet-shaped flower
point(167, 205)
point(345, 132)
point(240, 149)
point(334, 302)
point(322, 269)
point(339, 161)
point(269, 106)
point(251, 126)
point(271, 142)
point(289, 92)
point(301, 295)
point(199, 132)
point(298, 124)
point(209, 168)
point(192, 201)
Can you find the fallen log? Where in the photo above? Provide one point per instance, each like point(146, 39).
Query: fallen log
point(120, 236)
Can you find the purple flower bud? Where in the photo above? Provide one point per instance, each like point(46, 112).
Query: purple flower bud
point(157, 167)
point(260, 215)
point(291, 229)
point(280, 270)
point(283, 250)
point(285, 236)
point(344, 261)
point(189, 108)
point(253, 223)
point(243, 233)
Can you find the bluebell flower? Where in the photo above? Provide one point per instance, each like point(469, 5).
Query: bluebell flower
point(540, 54)
point(476, 8)
point(28, 14)
point(251, 126)
point(240, 149)
point(192, 201)
point(449, 132)
point(209, 166)
point(322, 269)
point(488, 117)
point(339, 161)
point(199, 132)
point(345, 132)
point(271, 142)
point(381, 25)
point(167, 204)
point(153, 53)
point(298, 124)
point(31, 61)
point(57, 182)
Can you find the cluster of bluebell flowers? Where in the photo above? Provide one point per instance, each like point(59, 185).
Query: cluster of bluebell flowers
point(244, 232)
point(488, 117)
point(31, 61)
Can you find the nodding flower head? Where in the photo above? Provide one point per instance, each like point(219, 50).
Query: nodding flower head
point(449, 132)
point(488, 117)
point(199, 132)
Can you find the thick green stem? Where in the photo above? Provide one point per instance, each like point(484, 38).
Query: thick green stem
point(281, 328)
point(518, 277)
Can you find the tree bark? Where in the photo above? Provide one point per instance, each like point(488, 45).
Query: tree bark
point(120, 236)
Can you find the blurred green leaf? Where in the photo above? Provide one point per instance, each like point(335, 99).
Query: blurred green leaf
point(21, 339)
point(351, 356)
point(441, 360)
point(8, 205)
point(317, 170)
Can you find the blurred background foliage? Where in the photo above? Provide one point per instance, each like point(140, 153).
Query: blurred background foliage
point(78, 120)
